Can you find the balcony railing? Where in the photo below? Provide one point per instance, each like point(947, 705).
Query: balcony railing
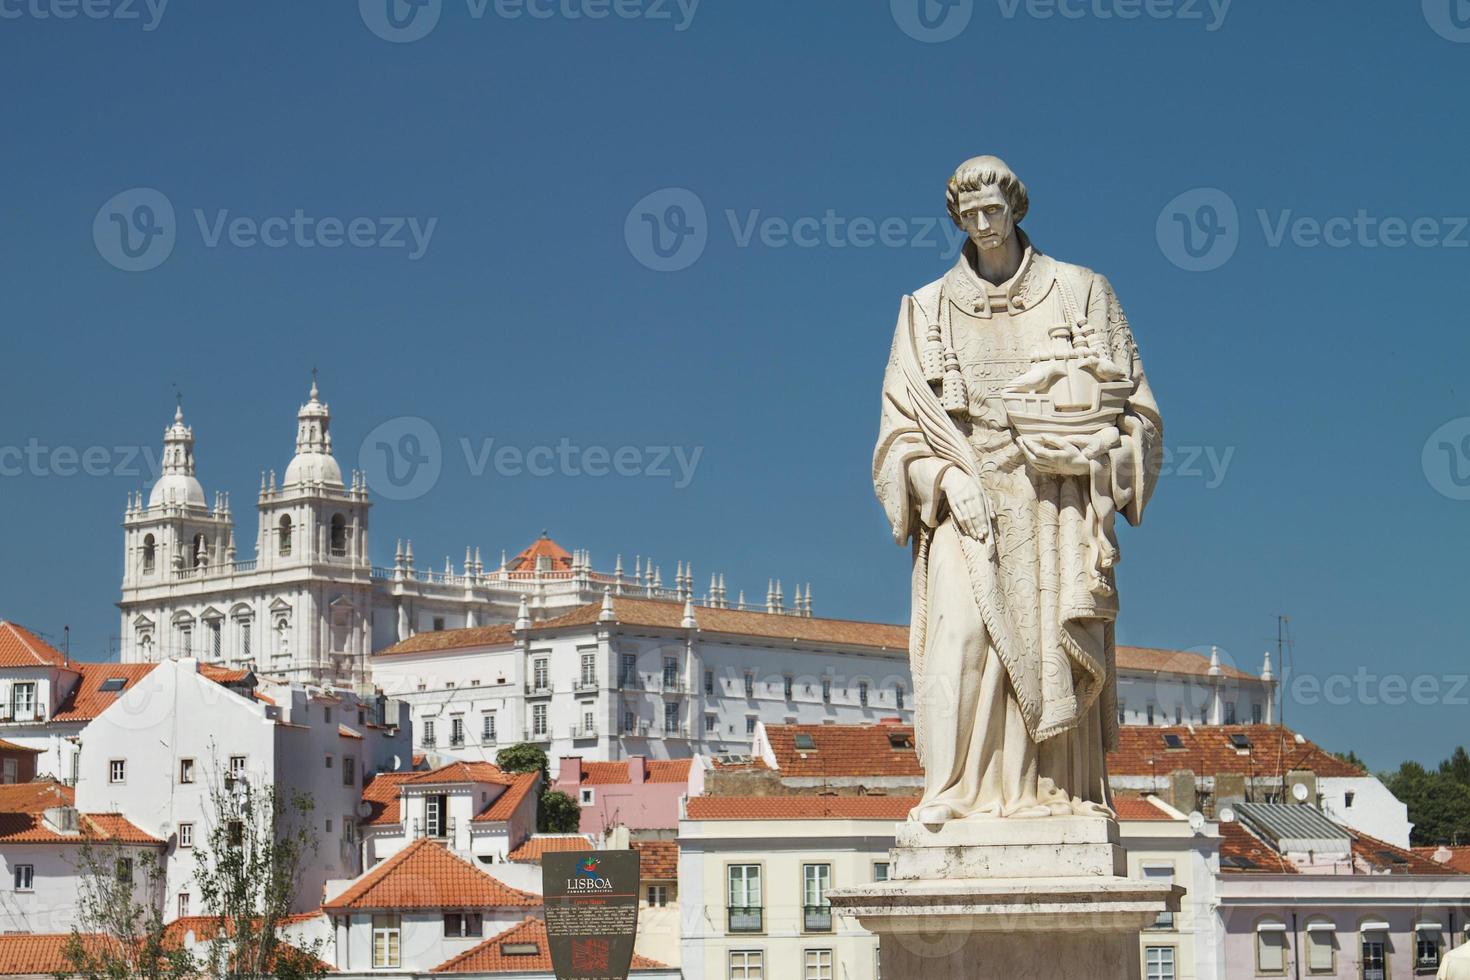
point(444, 830)
point(528, 735)
point(586, 684)
point(630, 682)
point(816, 918)
point(538, 689)
point(428, 741)
point(456, 742)
point(673, 685)
point(746, 918)
point(584, 731)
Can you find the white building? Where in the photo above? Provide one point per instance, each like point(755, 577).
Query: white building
point(473, 809)
point(42, 839)
point(626, 677)
point(755, 872)
point(306, 602)
point(166, 742)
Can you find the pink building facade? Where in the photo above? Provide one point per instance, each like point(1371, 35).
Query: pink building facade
point(636, 793)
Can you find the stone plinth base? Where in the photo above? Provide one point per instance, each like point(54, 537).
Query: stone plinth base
point(1056, 928)
point(1055, 847)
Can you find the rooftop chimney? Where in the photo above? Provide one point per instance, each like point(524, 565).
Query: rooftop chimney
point(637, 770)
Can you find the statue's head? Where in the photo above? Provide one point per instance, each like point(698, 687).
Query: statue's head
point(987, 200)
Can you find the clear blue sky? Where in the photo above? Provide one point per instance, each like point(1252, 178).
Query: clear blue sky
point(1314, 374)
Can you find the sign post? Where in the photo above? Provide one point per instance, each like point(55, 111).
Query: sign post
point(591, 912)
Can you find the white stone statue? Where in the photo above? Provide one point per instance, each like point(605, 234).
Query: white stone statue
point(1016, 422)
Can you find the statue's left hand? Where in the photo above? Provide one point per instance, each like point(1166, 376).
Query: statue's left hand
point(1054, 456)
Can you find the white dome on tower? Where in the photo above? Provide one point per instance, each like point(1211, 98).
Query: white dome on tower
point(313, 462)
point(178, 485)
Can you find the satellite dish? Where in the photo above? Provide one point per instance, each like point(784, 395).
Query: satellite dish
point(1227, 815)
point(364, 809)
point(1299, 792)
point(1196, 821)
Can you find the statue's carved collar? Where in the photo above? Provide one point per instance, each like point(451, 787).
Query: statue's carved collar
point(974, 296)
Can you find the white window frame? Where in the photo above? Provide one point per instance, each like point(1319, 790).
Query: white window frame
point(25, 877)
point(751, 964)
point(117, 771)
point(390, 929)
point(816, 964)
point(186, 835)
point(1155, 967)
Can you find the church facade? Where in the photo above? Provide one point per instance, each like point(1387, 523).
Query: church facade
point(306, 603)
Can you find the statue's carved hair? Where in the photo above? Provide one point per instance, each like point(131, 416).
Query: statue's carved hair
point(978, 173)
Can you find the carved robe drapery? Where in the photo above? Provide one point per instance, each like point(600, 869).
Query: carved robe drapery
point(1011, 650)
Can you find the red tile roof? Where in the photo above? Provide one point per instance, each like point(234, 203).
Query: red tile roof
point(35, 954)
point(531, 850)
point(461, 772)
point(504, 806)
point(501, 634)
point(381, 794)
point(654, 771)
point(1241, 852)
point(542, 547)
point(888, 808)
point(426, 875)
point(845, 750)
point(19, 647)
point(22, 817)
point(346, 732)
point(1139, 808)
point(660, 859)
point(1383, 856)
point(1207, 750)
point(1457, 858)
point(795, 629)
point(12, 747)
point(1173, 662)
point(490, 956)
point(86, 700)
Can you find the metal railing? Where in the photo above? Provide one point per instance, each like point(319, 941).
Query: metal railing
point(746, 918)
point(816, 918)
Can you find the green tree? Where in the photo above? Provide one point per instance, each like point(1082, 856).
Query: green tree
point(1457, 766)
point(119, 932)
point(560, 814)
point(1351, 758)
point(524, 757)
point(556, 812)
point(247, 870)
point(1438, 804)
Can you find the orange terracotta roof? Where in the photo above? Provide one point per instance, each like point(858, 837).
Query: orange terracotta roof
point(1139, 808)
point(22, 817)
point(346, 732)
point(462, 772)
point(660, 859)
point(1241, 852)
point(654, 771)
point(531, 850)
point(1383, 856)
point(662, 614)
point(86, 700)
point(501, 634)
point(888, 808)
point(491, 957)
point(1174, 662)
point(12, 747)
point(36, 953)
point(542, 547)
point(222, 675)
point(19, 647)
point(381, 794)
point(1455, 858)
point(1207, 751)
point(845, 750)
point(426, 875)
point(504, 806)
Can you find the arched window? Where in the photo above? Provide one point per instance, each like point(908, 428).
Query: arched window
point(339, 535)
point(285, 548)
point(201, 555)
point(1270, 947)
point(150, 554)
point(1321, 946)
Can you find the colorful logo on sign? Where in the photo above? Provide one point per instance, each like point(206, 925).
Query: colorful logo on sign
point(587, 868)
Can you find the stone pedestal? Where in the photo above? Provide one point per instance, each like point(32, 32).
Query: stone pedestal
point(1009, 900)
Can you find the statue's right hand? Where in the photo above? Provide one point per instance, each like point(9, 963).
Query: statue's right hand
point(967, 503)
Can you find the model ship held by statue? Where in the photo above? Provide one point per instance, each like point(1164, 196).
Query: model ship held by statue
point(1017, 422)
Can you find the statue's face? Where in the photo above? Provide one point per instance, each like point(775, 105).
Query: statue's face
point(986, 217)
